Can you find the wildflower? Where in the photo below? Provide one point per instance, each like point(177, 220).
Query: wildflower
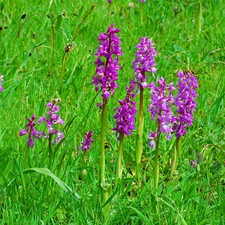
point(86, 144)
point(192, 163)
point(31, 130)
point(50, 121)
point(142, 1)
point(160, 109)
point(144, 61)
point(107, 62)
point(152, 137)
point(125, 113)
point(185, 102)
point(109, 1)
point(1, 81)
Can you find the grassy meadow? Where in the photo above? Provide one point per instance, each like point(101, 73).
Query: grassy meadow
point(47, 55)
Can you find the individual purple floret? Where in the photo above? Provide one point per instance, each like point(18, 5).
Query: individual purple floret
point(31, 130)
point(125, 113)
point(192, 163)
point(1, 81)
point(185, 102)
point(109, 1)
point(144, 61)
point(142, 0)
point(107, 62)
point(86, 145)
point(160, 108)
point(50, 121)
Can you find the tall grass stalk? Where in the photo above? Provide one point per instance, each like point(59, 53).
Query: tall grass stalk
point(200, 17)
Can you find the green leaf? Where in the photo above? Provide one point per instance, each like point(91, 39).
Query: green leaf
point(47, 172)
point(166, 203)
point(58, 22)
point(142, 216)
point(5, 153)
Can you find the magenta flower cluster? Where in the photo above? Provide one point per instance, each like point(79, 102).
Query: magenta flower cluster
point(1, 81)
point(31, 130)
point(50, 120)
point(125, 113)
point(86, 144)
point(144, 61)
point(160, 109)
point(107, 62)
point(185, 102)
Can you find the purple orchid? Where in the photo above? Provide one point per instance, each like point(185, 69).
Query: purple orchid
point(160, 108)
point(50, 121)
point(192, 163)
point(107, 62)
point(144, 61)
point(1, 81)
point(125, 113)
point(86, 144)
point(31, 130)
point(185, 102)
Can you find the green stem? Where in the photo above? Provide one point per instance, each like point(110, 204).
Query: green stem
point(175, 159)
point(200, 17)
point(85, 17)
point(102, 147)
point(141, 12)
point(105, 188)
point(64, 63)
point(25, 158)
point(156, 166)
point(119, 162)
point(53, 48)
point(139, 148)
point(178, 146)
point(50, 151)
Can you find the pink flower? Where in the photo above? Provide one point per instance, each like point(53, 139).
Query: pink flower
point(144, 61)
point(125, 113)
point(107, 62)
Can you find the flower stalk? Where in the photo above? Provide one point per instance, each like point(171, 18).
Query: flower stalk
point(186, 105)
point(139, 149)
point(176, 154)
point(160, 109)
point(156, 160)
point(119, 162)
point(102, 146)
point(106, 76)
point(144, 62)
point(124, 124)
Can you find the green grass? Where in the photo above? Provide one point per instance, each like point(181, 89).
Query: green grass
point(36, 70)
